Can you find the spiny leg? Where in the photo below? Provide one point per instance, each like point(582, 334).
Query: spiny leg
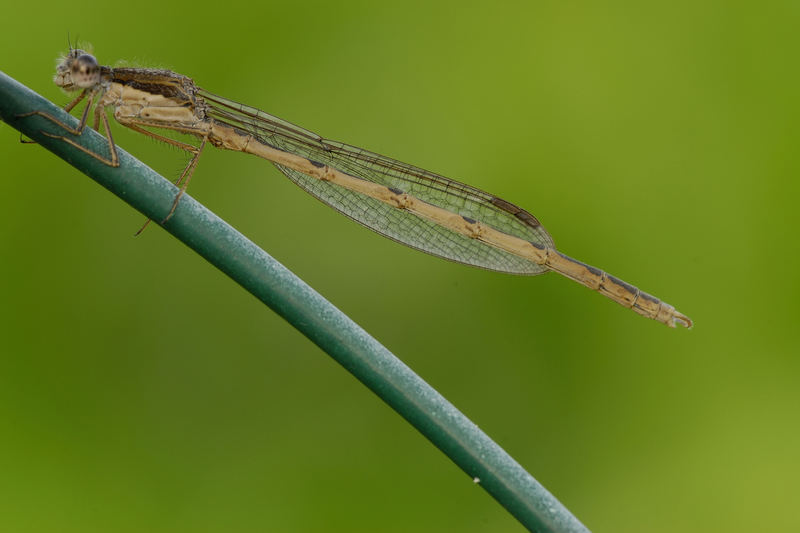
point(69, 107)
point(183, 179)
point(113, 161)
point(186, 176)
point(135, 127)
point(77, 130)
point(97, 112)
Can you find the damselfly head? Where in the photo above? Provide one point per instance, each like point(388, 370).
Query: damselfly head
point(77, 70)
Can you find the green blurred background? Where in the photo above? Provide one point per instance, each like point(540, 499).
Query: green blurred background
point(142, 390)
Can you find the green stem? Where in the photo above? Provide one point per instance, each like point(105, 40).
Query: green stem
point(326, 326)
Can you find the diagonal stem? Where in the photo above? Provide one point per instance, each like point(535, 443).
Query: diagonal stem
point(269, 281)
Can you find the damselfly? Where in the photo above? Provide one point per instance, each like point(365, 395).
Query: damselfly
point(415, 207)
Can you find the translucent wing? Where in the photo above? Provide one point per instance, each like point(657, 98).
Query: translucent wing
point(397, 224)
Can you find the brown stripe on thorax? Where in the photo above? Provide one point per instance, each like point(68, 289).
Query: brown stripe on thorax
point(155, 81)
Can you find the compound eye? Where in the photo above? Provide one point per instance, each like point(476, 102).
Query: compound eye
point(84, 72)
point(85, 64)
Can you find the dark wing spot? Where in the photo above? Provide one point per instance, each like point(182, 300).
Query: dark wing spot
point(395, 190)
point(528, 219)
point(469, 220)
point(508, 207)
point(316, 163)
